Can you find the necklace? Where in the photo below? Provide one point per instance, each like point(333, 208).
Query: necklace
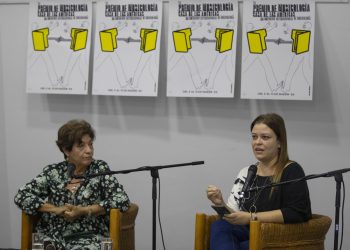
point(73, 185)
point(252, 208)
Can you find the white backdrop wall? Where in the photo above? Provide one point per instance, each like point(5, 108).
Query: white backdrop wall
point(134, 132)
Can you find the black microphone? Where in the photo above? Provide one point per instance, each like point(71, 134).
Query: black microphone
point(248, 181)
point(70, 169)
point(197, 162)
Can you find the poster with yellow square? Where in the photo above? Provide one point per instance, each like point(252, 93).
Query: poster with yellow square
point(127, 47)
point(59, 47)
point(202, 40)
point(278, 49)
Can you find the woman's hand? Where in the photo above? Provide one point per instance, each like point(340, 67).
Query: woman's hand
point(50, 208)
point(215, 196)
point(238, 218)
point(73, 212)
point(59, 211)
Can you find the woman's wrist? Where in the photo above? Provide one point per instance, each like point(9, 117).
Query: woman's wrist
point(89, 214)
point(93, 210)
point(253, 216)
point(49, 208)
point(219, 204)
point(88, 211)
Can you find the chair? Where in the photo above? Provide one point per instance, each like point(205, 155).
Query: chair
point(121, 228)
point(300, 236)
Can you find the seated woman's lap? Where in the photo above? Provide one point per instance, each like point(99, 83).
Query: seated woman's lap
point(85, 243)
point(226, 236)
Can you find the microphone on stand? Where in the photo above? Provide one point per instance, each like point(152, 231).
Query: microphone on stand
point(248, 182)
point(154, 174)
point(197, 163)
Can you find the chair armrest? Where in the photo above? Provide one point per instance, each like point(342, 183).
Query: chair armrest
point(292, 235)
point(122, 227)
point(114, 227)
point(199, 237)
point(28, 224)
point(129, 217)
point(254, 235)
point(128, 228)
point(202, 230)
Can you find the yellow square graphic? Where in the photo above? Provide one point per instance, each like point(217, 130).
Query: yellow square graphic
point(256, 41)
point(224, 39)
point(40, 39)
point(182, 40)
point(301, 41)
point(148, 39)
point(108, 39)
point(79, 38)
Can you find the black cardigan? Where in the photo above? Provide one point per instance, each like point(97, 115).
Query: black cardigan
point(293, 198)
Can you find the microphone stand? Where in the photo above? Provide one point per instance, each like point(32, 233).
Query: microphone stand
point(155, 176)
point(338, 176)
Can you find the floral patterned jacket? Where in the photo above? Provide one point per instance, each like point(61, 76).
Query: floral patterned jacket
point(50, 186)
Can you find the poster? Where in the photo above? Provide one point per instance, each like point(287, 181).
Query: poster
point(59, 46)
point(278, 49)
point(127, 46)
point(202, 48)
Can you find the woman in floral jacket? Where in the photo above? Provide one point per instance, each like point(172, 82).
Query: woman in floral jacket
point(74, 211)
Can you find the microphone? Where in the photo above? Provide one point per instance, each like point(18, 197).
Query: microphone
point(197, 162)
point(248, 181)
point(70, 169)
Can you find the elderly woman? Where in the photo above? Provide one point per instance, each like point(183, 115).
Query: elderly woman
point(74, 211)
